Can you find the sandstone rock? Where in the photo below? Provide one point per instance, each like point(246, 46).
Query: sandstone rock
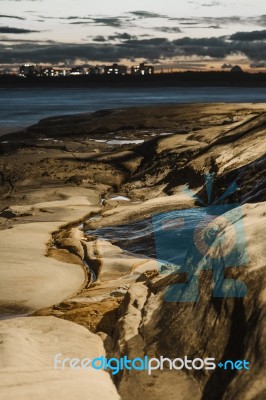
point(14, 212)
point(28, 347)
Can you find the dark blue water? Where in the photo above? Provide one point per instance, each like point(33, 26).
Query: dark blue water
point(167, 236)
point(23, 107)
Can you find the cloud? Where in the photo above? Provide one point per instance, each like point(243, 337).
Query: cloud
point(129, 47)
point(147, 14)
point(100, 52)
point(213, 20)
point(11, 16)
point(115, 22)
point(188, 22)
point(7, 29)
point(99, 38)
point(204, 47)
point(190, 65)
point(249, 36)
point(80, 23)
point(73, 17)
point(227, 66)
point(197, 26)
point(121, 36)
point(258, 65)
point(147, 42)
point(231, 20)
point(7, 40)
point(168, 29)
point(211, 4)
point(260, 20)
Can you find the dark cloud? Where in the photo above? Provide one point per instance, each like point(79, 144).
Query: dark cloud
point(11, 16)
point(7, 29)
point(72, 17)
point(7, 40)
point(118, 21)
point(189, 23)
point(261, 20)
point(80, 23)
point(168, 29)
point(212, 20)
point(258, 65)
point(227, 66)
point(190, 65)
point(254, 53)
point(225, 20)
point(102, 21)
point(99, 38)
point(121, 36)
point(132, 48)
point(249, 36)
point(101, 52)
point(115, 22)
point(204, 47)
point(147, 42)
point(147, 14)
point(195, 25)
point(232, 20)
point(45, 17)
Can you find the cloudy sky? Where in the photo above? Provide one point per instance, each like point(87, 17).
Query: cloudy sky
point(183, 34)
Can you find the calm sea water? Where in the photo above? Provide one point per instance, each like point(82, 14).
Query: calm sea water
point(23, 107)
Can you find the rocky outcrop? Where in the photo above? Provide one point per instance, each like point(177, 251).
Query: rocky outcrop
point(223, 328)
point(125, 299)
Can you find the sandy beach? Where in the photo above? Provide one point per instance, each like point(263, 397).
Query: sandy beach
point(64, 290)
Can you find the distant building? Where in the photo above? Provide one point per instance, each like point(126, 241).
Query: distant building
point(27, 70)
point(142, 69)
point(64, 72)
point(49, 71)
point(98, 70)
point(78, 71)
point(36, 71)
point(115, 69)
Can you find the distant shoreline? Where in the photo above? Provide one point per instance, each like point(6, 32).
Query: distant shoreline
point(178, 79)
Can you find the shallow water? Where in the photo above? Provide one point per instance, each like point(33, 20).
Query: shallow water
point(136, 237)
point(168, 236)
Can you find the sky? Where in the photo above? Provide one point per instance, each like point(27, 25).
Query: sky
point(170, 34)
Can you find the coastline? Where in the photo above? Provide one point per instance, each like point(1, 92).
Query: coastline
point(177, 79)
point(55, 187)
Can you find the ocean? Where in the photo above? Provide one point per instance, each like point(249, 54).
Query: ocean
point(24, 107)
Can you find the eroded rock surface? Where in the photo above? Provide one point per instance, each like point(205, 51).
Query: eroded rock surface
point(124, 299)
